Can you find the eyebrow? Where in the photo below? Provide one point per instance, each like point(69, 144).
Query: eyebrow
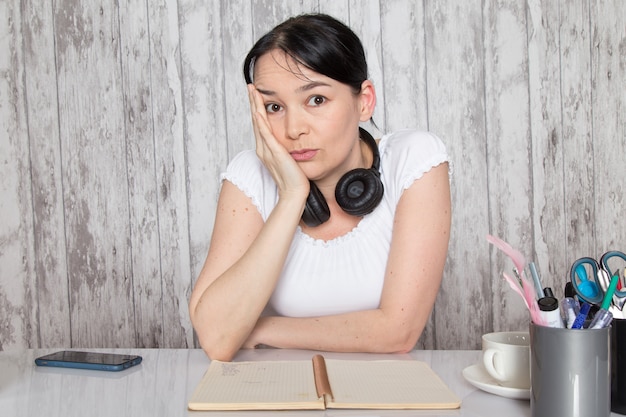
point(303, 88)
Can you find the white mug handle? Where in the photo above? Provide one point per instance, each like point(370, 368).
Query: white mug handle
point(488, 361)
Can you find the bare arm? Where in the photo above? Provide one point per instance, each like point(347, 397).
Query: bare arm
point(240, 272)
point(412, 280)
point(246, 255)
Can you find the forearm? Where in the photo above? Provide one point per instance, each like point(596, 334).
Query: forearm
point(227, 310)
point(364, 331)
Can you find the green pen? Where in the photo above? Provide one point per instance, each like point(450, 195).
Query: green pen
point(604, 317)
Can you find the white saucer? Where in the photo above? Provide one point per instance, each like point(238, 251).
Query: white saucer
point(477, 376)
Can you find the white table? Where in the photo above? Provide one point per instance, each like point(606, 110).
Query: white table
point(161, 385)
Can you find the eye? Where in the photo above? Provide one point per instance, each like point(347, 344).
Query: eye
point(272, 108)
point(317, 100)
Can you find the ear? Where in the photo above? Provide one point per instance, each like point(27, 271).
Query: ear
point(367, 98)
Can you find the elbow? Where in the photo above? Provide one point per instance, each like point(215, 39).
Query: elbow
point(405, 344)
point(404, 341)
point(216, 347)
point(214, 342)
point(219, 349)
point(219, 354)
point(407, 347)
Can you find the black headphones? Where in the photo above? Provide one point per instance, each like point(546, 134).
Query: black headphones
point(358, 192)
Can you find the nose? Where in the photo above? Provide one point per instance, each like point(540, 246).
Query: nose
point(295, 124)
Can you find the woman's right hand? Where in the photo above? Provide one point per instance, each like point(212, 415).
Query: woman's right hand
point(288, 176)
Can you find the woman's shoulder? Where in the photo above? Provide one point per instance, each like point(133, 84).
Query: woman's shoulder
point(400, 141)
point(245, 165)
point(247, 172)
point(407, 154)
point(244, 158)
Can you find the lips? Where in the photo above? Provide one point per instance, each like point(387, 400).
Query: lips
point(303, 154)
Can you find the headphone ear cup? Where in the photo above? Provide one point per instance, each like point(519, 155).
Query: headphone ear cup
point(359, 191)
point(316, 209)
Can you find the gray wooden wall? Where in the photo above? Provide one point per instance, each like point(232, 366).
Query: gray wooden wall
point(116, 119)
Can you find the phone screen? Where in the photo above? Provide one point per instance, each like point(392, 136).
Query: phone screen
point(89, 360)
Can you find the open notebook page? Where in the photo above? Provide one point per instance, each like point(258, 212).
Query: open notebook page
point(257, 385)
point(387, 384)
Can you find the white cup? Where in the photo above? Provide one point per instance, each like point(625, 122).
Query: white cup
point(506, 357)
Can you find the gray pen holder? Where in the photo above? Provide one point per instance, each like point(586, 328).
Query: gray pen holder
point(618, 366)
point(569, 372)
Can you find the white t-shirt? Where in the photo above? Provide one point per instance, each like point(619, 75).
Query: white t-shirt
point(346, 273)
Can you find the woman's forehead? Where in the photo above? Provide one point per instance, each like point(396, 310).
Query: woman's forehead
point(277, 63)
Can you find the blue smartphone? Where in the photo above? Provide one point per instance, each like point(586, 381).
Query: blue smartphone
point(89, 360)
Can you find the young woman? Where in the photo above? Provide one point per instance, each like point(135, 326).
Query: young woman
point(324, 239)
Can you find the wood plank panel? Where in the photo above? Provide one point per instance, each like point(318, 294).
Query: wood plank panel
point(577, 111)
point(204, 124)
point(156, 166)
point(50, 257)
point(456, 112)
point(509, 148)
point(136, 73)
point(95, 178)
point(171, 174)
point(339, 9)
point(268, 13)
point(548, 203)
point(608, 76)
point(237, 39)
point(18, 304)
point(404, 57)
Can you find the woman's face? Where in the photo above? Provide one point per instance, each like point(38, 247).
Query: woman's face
point(313, 116)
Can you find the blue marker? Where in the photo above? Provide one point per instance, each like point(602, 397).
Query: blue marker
point(582, 316)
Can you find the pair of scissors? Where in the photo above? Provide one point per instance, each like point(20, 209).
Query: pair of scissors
point(591, 278)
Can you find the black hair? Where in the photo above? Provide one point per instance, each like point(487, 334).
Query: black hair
point(320, 43)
